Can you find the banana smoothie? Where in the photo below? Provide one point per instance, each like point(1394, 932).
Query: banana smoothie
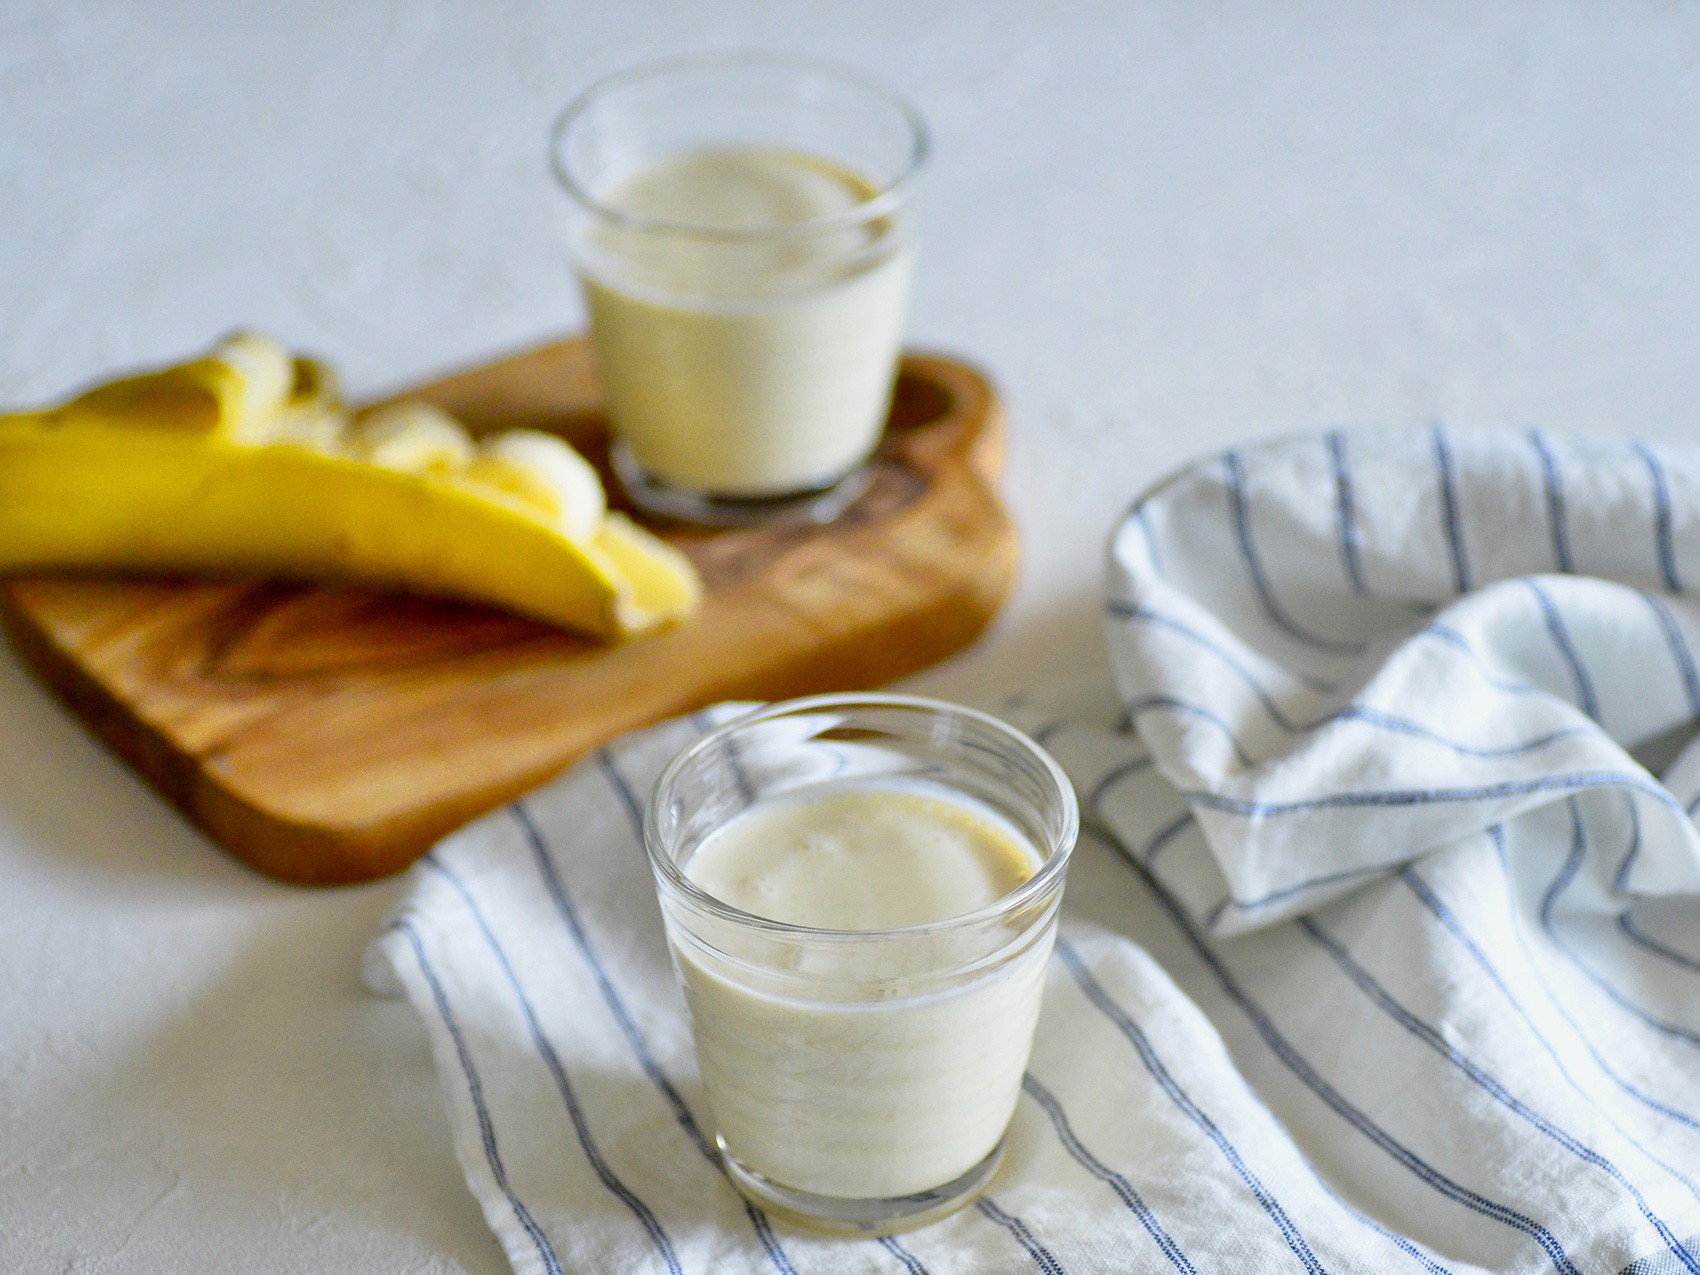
point(886, 1092)
point(746, 317)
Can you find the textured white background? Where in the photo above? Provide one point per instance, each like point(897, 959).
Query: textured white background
point(1164, 227)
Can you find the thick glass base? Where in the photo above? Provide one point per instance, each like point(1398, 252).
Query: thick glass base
point(818, 505)
point(834, 1216)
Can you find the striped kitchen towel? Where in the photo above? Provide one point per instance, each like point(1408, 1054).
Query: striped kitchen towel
point(1381, 948)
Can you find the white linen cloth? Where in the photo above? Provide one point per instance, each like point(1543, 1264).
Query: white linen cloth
point(1381, 950)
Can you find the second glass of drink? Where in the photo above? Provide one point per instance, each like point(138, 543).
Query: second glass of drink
point(861, 892)
point(740, 229)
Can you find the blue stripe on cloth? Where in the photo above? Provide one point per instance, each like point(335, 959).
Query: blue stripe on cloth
point(1351, 712)
point(1405, 1245)
point(911, 1263)
point(1662, 535)
point(1567, 870)
point(1401, 726)
point(1345, 514)
point(1560, 634)
point(1483, 1079)
point(1288, 892)
point(1653, 945)
point(1679, 651)
point(1658, 1263)
point(634, 812)
point(1555, 504)
point(617, 1007)
point(1449, 512)
point(1578, 781)
point(1138, 513)
point(1147, 615)
point(1254, 568)
point(1170, 704)
point(1165, 835)
point(1402, 1243)
point(1095, 993)
point(1404, 726)
point(1620, 878)
point(1560, 883)
point(1308, 1075)
point(1116, 774)
point(568, 913)
point(1123, 1189)
point(1042, 1257)
point(1433, 902)
point(1496, 835)
point(475, 1089)
point(575, 1111)
point(1452, 637)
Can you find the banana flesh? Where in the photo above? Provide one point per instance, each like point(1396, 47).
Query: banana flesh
point(247, 461)
point(416, 438)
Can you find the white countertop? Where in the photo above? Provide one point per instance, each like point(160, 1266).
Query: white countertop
point(1164, 227)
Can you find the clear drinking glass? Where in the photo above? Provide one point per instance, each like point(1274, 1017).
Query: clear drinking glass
point(739, 226)
point(861, 1081)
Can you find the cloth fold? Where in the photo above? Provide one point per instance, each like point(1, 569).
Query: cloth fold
point(1380, 949)
point(1349, 650)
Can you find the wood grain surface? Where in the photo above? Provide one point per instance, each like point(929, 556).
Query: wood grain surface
point(327, 735)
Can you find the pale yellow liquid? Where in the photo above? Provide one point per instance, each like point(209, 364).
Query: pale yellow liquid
point(884, 1094)
point(745, 366)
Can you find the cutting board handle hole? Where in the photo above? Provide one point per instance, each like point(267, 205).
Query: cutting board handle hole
point(917, 402)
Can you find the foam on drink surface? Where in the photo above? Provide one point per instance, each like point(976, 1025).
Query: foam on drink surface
point(862, 858)
point(739, 188)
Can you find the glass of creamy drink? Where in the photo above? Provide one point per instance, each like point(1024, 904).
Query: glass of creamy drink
point(860, 893)
point(739, 225)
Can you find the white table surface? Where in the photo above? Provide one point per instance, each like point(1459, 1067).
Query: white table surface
point(1165, 227)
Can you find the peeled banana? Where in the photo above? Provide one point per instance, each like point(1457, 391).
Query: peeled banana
point(247, 461)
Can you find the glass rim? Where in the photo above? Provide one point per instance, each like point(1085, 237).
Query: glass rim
point(1053, 867)
point(883, 202)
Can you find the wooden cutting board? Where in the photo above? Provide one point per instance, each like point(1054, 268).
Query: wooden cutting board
point(329, 735)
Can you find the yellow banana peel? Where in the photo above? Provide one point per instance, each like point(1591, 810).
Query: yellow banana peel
point(246, 461)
